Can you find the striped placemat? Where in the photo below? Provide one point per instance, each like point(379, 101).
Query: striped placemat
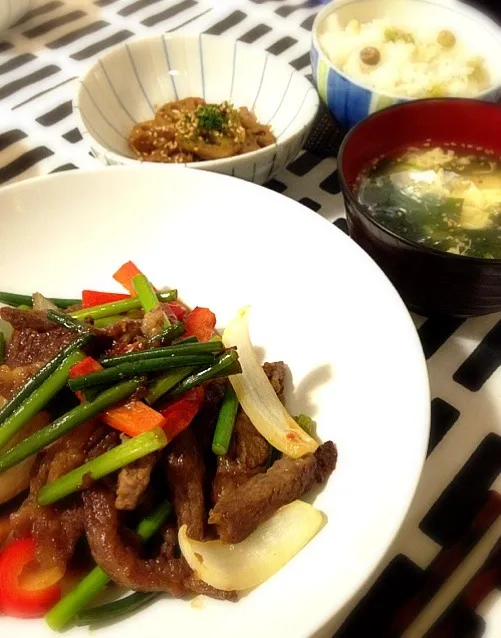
point(442, 575)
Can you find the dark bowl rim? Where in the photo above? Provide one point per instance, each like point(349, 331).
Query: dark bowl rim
point(348, 192)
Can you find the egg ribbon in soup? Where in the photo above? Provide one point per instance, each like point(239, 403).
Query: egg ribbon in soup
point(443, 198)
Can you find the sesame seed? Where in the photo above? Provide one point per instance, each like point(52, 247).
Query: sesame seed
point(178, 128)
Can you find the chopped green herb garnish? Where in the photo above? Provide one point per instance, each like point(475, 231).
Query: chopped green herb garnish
point(211, 118)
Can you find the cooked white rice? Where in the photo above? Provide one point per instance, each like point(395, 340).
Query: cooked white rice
point(422, 68)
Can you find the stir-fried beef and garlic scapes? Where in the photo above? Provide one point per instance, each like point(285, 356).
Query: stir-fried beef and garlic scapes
point(140, 445)
point(191, 130)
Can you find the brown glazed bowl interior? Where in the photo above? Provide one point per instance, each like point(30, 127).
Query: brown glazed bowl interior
point(430, 281)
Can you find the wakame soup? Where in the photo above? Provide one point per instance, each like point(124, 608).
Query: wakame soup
point(443, 198)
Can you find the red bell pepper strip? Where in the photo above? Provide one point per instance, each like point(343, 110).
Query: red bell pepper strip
point(14, 599)
point(125, 274)
point(86, 366)
point(132, 418)
point(181, 412)
point(95, 298)
point(200, 323)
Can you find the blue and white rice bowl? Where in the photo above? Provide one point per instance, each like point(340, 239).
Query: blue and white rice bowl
point(350, 101)
point(130, 82)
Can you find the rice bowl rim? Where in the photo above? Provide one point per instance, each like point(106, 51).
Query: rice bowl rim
point(335, 5)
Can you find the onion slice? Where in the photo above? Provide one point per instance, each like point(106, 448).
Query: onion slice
point(42, 303)
point(249, 563)
point(17, 479)
point(258, 398)
point(7, 330)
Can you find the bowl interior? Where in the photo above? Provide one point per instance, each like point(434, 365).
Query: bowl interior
point(460, 122)
point(128, 84)
point(472, 26)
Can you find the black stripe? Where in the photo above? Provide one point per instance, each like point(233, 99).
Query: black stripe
point(301, 62)
point(5, 46)
point(56, 115)
point(461, 618)
point(45, 27)
point(104, 3)
point(276, 185)
point(16, 62)
point(45, 8)
point(331, 183)
point(8, 89)
point(78, 33)
point(342, 225)
point(169, 13)
point(285, 11)
point(400, 581)
point(120, 36)
point(308, 23)
point(37, 95)
point(435, 331)
point(255, 33)
point(11, 137)
point(183, 24)
point(136, 6)
point(73, 136)
point(24, 162)
point(304, 164)
point(310, 203)
point(443, 417)
point(482, 362)
point(462, 500)
point(282, 45)
point(64, 167)
point(230, 21)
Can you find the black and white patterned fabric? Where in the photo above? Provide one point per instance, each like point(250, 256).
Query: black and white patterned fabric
point(41, 58)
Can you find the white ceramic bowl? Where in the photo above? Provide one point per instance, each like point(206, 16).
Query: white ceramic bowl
point(359, 371)
point(13, 10)
point(349, 101)
point(127, 84)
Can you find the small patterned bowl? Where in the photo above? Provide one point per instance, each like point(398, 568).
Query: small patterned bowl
point(430, 281)
point(351, 102)
point(13, 10)
point(127, 84)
